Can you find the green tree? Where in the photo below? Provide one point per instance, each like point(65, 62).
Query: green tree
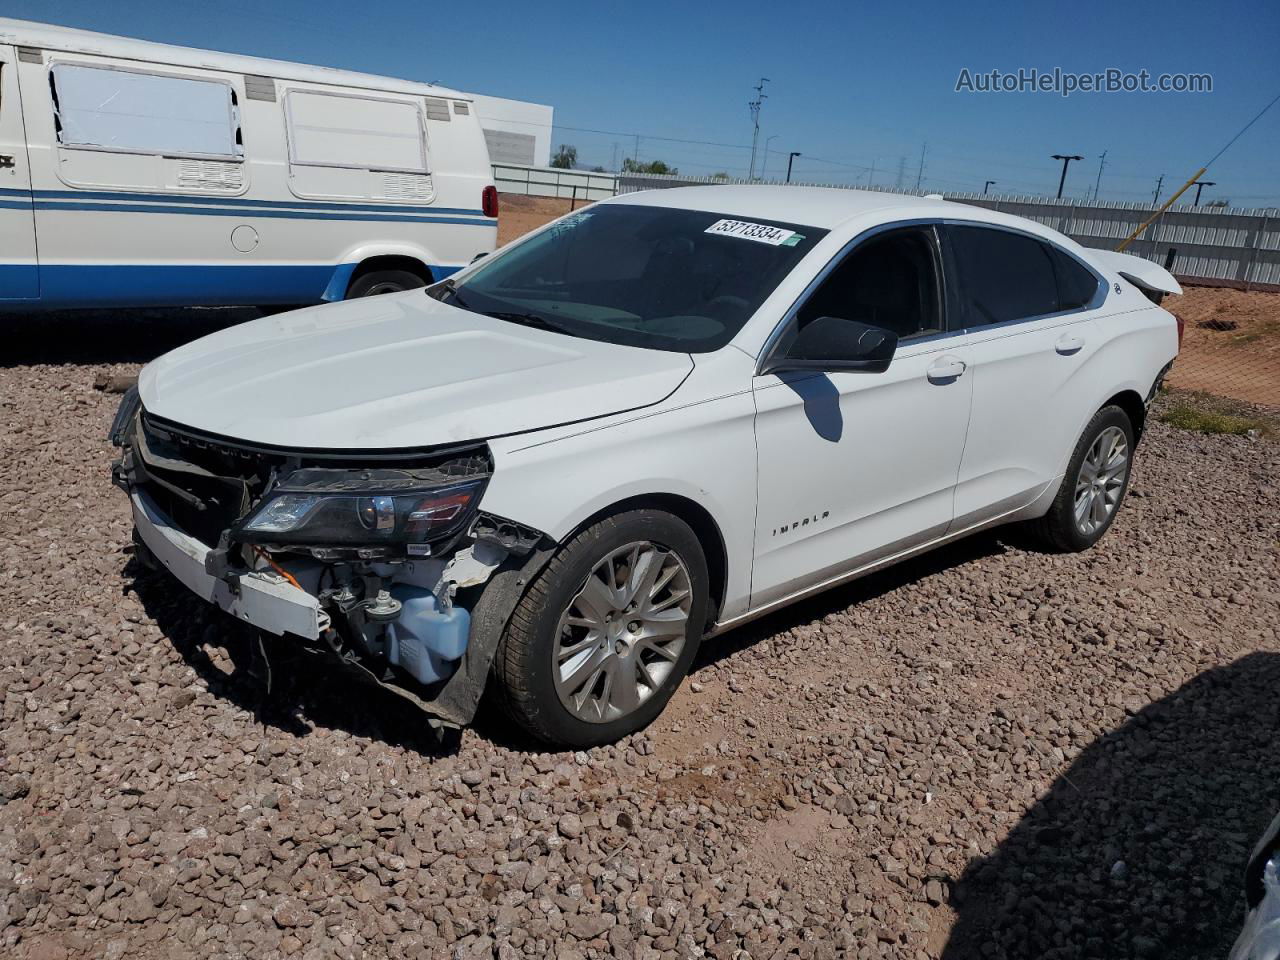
point(653, 166)
point(565, 157)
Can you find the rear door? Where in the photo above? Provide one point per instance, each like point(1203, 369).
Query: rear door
point(1027, 308)
point(19, 273)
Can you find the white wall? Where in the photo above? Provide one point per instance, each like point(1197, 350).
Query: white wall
point(517, 132)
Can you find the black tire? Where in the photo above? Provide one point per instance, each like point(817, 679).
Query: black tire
point(523, 665)
point(377, 282)
point(1057, 530)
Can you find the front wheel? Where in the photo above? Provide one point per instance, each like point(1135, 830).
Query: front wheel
point(606, 632)
point(1094, 485)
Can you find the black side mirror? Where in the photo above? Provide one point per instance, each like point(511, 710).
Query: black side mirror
point(830, 344)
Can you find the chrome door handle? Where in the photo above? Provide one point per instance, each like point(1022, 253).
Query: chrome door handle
point(946, 369)
point(1068, 344)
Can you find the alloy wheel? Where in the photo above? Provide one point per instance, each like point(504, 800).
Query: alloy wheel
point(622, 633)
point(1101, 480)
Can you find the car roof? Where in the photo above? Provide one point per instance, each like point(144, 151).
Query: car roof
point(29, 33)
point(825, 207)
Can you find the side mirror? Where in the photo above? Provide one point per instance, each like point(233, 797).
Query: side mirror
point(830, 344)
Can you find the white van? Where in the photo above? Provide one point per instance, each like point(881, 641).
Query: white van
point(135, 174)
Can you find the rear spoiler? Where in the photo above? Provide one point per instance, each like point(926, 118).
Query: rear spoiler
point(1148, 276)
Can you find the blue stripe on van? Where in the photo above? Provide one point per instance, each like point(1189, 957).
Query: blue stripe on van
point(256, 214)
point(175, 285)
point(18, 281)
point(243, 202)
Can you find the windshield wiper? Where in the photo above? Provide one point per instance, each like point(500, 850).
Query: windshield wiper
point(525, 320)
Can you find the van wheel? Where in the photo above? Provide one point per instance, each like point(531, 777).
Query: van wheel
point(606, 632)
point(1093, 487)
point(377, 282)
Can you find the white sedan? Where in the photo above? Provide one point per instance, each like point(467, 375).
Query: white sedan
point(644, 424)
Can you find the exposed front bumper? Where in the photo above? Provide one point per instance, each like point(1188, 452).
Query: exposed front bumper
point(265, 600)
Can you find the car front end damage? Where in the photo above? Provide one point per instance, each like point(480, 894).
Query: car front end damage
point(379, 561)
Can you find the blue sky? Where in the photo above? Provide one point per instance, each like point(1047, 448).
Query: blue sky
point(851, 87)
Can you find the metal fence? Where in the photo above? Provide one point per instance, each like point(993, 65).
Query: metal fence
point(1215, 245)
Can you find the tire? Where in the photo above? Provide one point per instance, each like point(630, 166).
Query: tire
point(1060, 529)
point(383, 281)
point(554, 618)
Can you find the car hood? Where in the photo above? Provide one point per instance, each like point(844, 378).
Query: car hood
point(397, 371)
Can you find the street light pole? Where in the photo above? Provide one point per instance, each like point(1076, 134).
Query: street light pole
point(764, 166)
point(790, 160)
point(986, 186)
point(1200, 185)
point(1066, 161)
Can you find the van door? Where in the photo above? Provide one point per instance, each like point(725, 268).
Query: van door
point(19, 273)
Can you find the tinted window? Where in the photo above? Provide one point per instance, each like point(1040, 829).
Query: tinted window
point(889, 281)
point(1076, 285)
point(644, 276)
point(1002, 276)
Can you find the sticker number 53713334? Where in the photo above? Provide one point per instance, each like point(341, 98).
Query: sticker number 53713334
point(745, 230)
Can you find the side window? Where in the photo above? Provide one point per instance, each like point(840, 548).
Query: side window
point(1077, 286)
point(356, 147)
point(1002, 276)
point(889, 281)
point(103, 108)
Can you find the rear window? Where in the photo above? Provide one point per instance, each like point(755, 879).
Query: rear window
point(1003, 276)
point(1077, 285)
point(656, 277)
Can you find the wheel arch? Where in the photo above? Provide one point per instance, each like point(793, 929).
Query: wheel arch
point(1131, 402)
point(699, 520)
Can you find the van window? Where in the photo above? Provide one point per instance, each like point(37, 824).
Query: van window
point(362, 133)
point(123, 110)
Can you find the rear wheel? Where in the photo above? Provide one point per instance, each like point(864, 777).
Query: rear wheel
point(1094, 485)
point(378, 282)
point(604, 635)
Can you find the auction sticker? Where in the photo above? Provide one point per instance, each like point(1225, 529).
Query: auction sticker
point(759, 232)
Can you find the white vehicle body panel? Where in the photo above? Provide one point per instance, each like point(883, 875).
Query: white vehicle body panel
point(888, 463)
point(1143, 273)
point(251, 223)
point(400, 370)
point(19, 274)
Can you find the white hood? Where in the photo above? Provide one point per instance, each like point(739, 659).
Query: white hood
point(397, 371)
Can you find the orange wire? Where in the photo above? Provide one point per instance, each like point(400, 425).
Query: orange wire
point(277, 568)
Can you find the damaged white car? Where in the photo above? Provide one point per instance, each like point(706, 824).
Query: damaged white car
point(650, 421)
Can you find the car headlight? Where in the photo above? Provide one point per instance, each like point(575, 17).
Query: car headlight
point(386, 511)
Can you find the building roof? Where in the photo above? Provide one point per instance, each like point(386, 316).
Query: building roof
point(28, 33)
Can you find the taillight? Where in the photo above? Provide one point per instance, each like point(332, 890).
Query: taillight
point(1182, 328)
point(489, 201)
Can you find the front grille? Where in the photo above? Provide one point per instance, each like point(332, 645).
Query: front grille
point(204, 486)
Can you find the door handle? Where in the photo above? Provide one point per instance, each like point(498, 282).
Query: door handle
point(6, 160)
point(1068, 344)
point(946, 369)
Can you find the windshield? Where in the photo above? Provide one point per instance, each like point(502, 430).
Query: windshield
point(656, 277)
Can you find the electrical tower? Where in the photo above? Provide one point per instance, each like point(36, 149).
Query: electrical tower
point(1102, 162)
point(902, 170)
point(754, 106)
point(920, 171)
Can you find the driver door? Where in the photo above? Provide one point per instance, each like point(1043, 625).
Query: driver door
point(856, 467)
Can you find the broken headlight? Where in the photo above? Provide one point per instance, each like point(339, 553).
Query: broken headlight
point(375, 512)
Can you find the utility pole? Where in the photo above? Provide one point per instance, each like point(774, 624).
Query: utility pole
point(986, 186)
point(1200, 185)
point(790, 160)
point(754, 107)
point(902, 169)
point(614, 165)
point(871, 178)
point(1159, 184)
point(1102, 162)
point(920, 172)
point(1066, 162)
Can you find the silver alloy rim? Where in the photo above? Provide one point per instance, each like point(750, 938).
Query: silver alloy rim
point(1101, 480)
point(622, 633)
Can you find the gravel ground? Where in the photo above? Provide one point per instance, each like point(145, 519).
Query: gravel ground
point(988, 752)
